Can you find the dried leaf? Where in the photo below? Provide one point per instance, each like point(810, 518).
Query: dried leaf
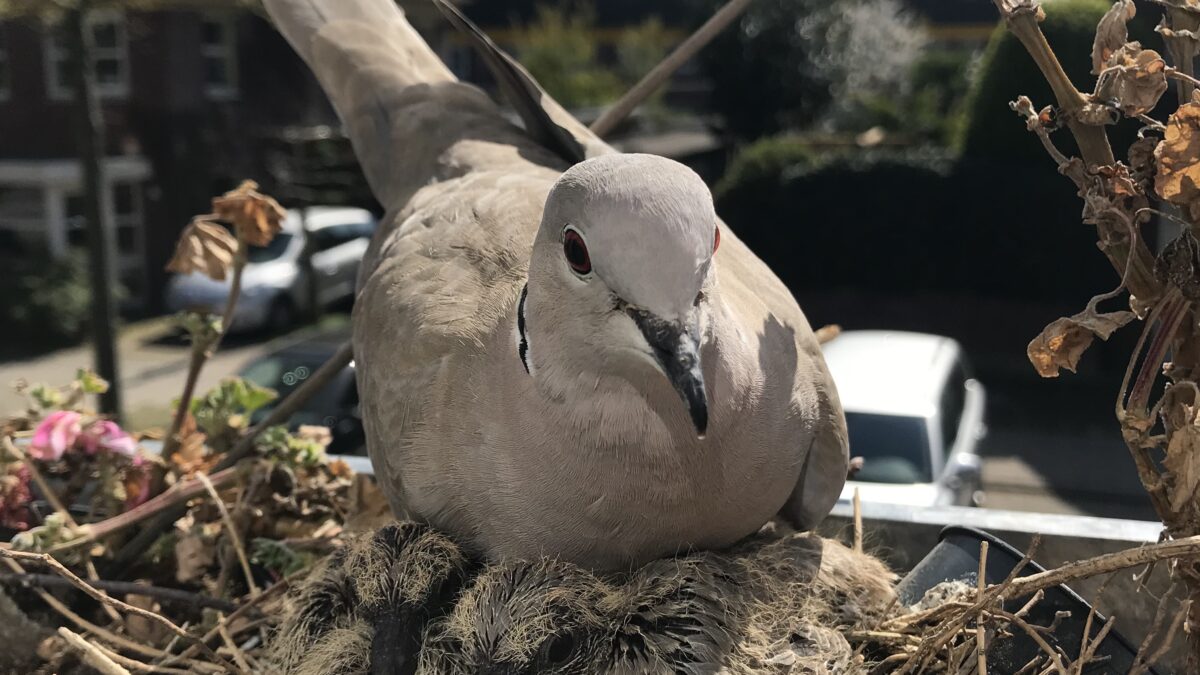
point(1178, 157)
point(1179, 265)
point(1183, 466)
point(1111, 33)
point(1133, 80)
point(256, 217)
point(1061, 343)
point(194, 555)
point(192, 454)
point(204, 247)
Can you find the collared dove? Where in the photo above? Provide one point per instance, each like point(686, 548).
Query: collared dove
point(773, 604)
point(577, 361)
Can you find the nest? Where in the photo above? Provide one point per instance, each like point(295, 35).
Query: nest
point(776, 604)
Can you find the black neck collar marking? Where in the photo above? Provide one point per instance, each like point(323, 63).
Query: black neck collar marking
point(522, 339)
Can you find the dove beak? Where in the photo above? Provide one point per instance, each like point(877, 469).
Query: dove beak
point(676, 347)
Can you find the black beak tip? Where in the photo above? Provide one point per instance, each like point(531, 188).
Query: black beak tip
point(700, 419)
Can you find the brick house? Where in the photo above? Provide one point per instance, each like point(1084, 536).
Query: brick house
point(190, 100)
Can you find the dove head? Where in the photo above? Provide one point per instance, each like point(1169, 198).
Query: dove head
point(617, 276)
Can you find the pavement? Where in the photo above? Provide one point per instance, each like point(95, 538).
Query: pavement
point(153, 363)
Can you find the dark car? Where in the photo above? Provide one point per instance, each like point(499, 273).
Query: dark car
point(334, 406)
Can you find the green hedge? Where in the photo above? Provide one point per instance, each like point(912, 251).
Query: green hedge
point(991, 129)
point(897, 223)
point(43, 303)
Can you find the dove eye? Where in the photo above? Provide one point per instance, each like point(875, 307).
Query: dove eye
point(717, 240)
point(576, 252)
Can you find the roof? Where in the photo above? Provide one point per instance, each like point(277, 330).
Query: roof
point(890, 371)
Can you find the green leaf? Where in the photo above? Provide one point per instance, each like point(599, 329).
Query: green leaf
point(46, 397)
point(90, 383)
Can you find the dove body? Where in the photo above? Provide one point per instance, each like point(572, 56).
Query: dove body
point(579, 361)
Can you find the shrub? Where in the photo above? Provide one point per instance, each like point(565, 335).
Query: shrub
point(764, 163)
point(44, 302)
point(896, 223)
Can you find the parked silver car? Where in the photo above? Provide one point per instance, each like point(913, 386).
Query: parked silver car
point(274, 286)
point(915, 415)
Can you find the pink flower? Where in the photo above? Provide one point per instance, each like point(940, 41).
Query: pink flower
point(108, 437)
point(55, 435)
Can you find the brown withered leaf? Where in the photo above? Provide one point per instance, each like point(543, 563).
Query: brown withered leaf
point(192, 454)
point(1061, 343)
point(1111, 33)
point(320, 435)
point(194, 555)
point(1179, 265)
point(1178, 157)
point(1133, 80)
point(1183, 466)
point(1141, 163)
point(204, 247)
point(256, 217)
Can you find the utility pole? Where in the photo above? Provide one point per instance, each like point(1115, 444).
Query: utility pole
point(100, 242)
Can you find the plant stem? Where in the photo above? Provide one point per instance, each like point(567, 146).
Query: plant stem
point(1093, 145)
point(202, 351)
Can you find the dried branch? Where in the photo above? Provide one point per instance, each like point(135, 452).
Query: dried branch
point(658, 75)
point(104, 598)
point(1103, 564)
point(231, 529)
point(91, 655)
point(121, 588)
point(980, 630)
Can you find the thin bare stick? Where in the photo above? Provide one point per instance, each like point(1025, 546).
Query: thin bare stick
point(1165, 644)
point(1103, 564)
point(122, 588)
point(202, 351)
point(91, 655)
point(1156, 626)
point(238, 656)
point(104, 598)
point(858, 524)
point(657, 76)
point(980, 629)
point(135, 665)
point(1035, 635)
point(180, 492)
point(1089, 650)
point(232, 530)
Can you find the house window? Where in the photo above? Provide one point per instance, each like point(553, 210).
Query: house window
point(110, 51)
point(218, 48)
point(5, 70)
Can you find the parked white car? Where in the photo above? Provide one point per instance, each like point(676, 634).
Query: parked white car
point(274, 285)
point(915, 416)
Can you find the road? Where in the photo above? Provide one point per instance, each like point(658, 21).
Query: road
point(153, 365)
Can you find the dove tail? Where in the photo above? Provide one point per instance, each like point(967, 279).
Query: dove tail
point(401, 106)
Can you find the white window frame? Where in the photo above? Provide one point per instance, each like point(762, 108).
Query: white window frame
point(56, 53)
point(227, 52)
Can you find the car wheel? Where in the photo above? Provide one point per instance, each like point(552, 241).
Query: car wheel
point(281, 316)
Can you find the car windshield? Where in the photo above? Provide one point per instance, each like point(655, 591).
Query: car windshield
point(272, 251)
point(894, 448)
point(284, 372)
